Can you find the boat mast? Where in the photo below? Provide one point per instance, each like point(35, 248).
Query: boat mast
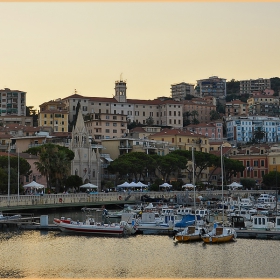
point(222, 168)
point(193, 180)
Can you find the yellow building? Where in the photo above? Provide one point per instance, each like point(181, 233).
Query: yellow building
point(273, 158)
point(53, 114)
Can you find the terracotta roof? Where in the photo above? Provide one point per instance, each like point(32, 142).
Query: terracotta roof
point(138, 129)
point(218, 153)
point(236, 101)
point(74, 96)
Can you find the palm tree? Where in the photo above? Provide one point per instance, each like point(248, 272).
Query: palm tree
point(259, 134)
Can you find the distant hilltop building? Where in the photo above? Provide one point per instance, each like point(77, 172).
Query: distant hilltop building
point(249, 86)
point(13, 102)
point(213, 86)
point(181, 90)
point(163, 112)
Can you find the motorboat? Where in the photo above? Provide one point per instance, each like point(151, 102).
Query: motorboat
point(90, 226)
point(62, 219)
point(9, 217)
point(219, 234)
point(190, 233)
point(195, 227)
point(263, 222)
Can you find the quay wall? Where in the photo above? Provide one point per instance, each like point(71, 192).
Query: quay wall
point(121, 197)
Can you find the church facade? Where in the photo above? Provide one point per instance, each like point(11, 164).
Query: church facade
point(86, 159)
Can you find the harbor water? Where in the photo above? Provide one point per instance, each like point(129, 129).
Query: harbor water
point(52, 254)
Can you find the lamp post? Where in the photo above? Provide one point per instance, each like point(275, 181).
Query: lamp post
point(9, 175)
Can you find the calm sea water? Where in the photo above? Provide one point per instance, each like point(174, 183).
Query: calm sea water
point(41, 254)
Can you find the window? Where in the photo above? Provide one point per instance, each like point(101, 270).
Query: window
point(262, 162)
point(255, 173)
point(107, 130)
point(107, 117)
point(115, 131)
point(143, 114)
point(114, 124)
point(107, 124)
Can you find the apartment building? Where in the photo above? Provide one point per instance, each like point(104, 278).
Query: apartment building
point(12, 102)
point(182, 139)
point(161, 111)
point(119, 146)
point(236, 108)
point(264, 105)
point(54, 114)
point(181, 90)
point(213, 130)
point(213, 86)
point(203, 109)
point(249, 86)
point(255, 160)
point(106, 126)
point(241, 129)
point(142, 132)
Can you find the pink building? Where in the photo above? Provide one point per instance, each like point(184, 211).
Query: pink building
point(213, 130)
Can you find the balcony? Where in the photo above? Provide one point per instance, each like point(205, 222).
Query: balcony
point(122, 147)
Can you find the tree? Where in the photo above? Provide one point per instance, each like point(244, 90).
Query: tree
point(214, 115)
point(24, 170)
point(73, 181)
point(54, 163)
point(135, 164)
point(259, 134)
point(231, 168)
point(272, 179)
point(248, 183)
point(172, 162)
point(149, 121)
point(233, 87)
point(186, 120)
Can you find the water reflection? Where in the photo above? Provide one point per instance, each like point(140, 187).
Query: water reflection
point(43, 254)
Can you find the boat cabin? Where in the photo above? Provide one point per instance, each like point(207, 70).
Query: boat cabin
point(262, 222)
point(237, 222)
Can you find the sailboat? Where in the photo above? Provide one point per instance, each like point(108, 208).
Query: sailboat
point(220, 234)
point(193, 232)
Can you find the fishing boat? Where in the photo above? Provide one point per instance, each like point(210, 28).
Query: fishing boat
point(220, 233)
point(190, 233)
point(194, 231)
point(90, 226)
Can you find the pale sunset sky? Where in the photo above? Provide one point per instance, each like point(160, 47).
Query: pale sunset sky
point(50, 49)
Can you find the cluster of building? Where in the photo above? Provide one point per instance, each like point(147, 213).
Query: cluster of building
point(104, 121)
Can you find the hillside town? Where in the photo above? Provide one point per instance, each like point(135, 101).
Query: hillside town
point(236, 119)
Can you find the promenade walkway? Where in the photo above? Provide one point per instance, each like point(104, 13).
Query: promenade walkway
point(26, 202)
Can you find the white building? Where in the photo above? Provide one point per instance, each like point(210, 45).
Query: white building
point(241, 129)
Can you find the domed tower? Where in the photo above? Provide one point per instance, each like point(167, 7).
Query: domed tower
point(120, 90)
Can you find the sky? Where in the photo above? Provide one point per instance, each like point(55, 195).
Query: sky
point(50, 49)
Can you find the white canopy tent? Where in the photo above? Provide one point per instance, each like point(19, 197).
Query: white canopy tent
point(165, 185)
point(124, 185)
point(188, 186)
point(133, 185)
point(89, 186)
point(34, 185)
point(235, 185)
point(141, 185)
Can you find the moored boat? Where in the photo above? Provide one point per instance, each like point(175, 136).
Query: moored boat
point(219, 234)
point(95, 228)
point(190, 233)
